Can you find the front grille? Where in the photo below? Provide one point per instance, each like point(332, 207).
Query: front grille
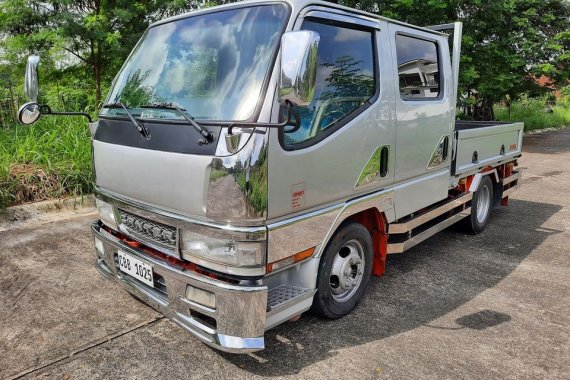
point(149, 231)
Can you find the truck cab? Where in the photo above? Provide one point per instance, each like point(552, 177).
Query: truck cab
point(260, 159)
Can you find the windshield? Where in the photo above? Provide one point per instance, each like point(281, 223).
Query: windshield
point(212, 65)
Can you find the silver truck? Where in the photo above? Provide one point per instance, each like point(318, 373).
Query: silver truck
point(260, 159)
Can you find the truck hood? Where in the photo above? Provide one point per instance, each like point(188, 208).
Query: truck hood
point(172, 172)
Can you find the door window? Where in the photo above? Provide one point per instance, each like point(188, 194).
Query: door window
point(418, 68)
point(344, 84)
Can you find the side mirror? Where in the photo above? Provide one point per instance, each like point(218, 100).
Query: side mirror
point(29, 113)
point(31, 84)
point(298, 67)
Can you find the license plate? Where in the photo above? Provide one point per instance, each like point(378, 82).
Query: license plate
point(136, 268)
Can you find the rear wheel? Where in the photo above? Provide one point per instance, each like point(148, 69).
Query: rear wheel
point(344, 271)
point(481, 207)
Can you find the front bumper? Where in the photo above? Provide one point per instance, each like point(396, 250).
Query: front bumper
point(237, 324)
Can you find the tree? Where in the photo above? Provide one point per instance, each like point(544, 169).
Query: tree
point(99, 34)
point(506, 43)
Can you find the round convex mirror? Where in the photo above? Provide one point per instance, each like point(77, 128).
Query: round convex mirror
point(29, 113)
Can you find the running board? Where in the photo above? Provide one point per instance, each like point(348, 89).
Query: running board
point(401, 228)
point(401, 247)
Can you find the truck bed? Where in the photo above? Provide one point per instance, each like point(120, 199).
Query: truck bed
point(485, 143)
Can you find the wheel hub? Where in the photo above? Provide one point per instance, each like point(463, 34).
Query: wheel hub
point(347, 271)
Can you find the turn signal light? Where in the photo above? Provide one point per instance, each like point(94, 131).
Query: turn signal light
point(290, 260)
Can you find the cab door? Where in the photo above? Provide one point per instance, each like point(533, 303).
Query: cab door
point(345, 127)
point(424, 121)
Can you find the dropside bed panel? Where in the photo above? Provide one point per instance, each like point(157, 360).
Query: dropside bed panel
point(481, 144)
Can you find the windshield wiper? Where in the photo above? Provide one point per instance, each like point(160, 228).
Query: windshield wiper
point(143, 130)
point(207, 136)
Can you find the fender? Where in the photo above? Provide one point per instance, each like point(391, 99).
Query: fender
point(477, 179)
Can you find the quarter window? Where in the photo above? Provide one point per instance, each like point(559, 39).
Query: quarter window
point(344, 83)
point(418, 68)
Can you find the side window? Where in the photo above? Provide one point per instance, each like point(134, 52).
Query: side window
point(418, 68)
point(345, 80)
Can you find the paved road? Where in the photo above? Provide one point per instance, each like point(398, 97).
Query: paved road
point(494, 305)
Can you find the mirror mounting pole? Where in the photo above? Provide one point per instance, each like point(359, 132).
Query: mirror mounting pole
point(46, 110)
point(233, 139)
point(288, 121)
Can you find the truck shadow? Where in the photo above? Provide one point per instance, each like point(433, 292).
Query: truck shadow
point(419, 286)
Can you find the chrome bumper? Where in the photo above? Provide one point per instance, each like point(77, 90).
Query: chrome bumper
point(237, 324)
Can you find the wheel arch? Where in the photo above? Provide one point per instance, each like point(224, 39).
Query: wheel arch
point(496, 180)
point(376, 224)
point(374, 212)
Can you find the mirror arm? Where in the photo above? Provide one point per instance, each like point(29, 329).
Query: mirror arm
point(267, 125)
point(46, 110)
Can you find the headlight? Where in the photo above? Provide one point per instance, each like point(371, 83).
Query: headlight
point(106, 213)
point(230, 254)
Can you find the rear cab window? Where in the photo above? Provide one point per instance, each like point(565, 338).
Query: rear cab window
point(418, 68)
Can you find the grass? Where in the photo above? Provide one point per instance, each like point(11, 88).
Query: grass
point(257, 193)
point(216, 174)
point(49, 159)
point(535, 113)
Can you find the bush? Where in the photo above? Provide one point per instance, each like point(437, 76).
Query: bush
point(536, 113)
point(51, 158)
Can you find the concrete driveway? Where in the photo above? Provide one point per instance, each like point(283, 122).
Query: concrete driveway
point(495, 305)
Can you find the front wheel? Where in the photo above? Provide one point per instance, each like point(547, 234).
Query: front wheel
point(344, 271)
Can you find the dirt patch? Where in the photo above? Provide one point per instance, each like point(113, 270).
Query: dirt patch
point(52, 210)
point(31, 183)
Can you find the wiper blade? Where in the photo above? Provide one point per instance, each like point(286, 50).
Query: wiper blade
point(207, 136)
point(143, 130)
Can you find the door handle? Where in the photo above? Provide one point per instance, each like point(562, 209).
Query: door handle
point(445, 148)
point(384, 155)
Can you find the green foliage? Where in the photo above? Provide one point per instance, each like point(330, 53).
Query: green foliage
point(82, 44)
point(135, 93)
point(51, 158)
point(505, 43)
point(94, 35)
point(257, 189)
point(217, 174)
point(346, 79)
point(536, 113)
point(564, 101)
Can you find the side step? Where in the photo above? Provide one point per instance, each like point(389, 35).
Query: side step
point(433, 221)
point(401, 247)
point(285, 302)
point(400, 228)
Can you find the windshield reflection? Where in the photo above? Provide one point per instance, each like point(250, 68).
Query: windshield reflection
point(213, 65)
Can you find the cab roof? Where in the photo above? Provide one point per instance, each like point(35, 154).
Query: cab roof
point(298, 6)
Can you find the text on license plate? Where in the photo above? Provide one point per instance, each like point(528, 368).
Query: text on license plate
point(136, 268)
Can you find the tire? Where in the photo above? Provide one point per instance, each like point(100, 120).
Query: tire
point(481, 207)
point(344, 271)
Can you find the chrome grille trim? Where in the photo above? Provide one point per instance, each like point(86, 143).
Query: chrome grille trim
point(155, 234)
